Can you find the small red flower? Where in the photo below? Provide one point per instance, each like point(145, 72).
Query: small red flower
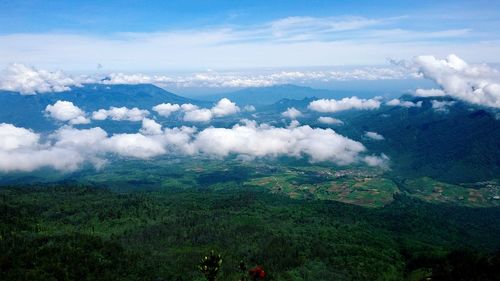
point(257, 273)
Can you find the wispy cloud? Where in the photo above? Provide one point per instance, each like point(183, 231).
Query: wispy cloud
point(286, 42)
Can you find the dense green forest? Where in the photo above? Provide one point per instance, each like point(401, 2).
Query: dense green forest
point(71, 232)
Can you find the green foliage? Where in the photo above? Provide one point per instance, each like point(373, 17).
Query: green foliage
point(456, 265)
point(65, 257)
point(82, 233)
point(460, 145)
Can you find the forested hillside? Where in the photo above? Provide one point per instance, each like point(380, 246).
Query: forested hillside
point(84, 233)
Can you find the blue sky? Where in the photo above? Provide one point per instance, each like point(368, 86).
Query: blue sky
point(158, 36)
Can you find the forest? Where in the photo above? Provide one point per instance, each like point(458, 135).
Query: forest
point(81, 232)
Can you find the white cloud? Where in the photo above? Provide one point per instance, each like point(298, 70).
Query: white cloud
point(138, 78)
point(293, 124)
point(374, 136)
point(68, 148)
point(332, 105)
point(198, 115)
point(33, 159)
point(377, 161)
point(291, 113)
point(21, 150)
point(330, 120)
point(285, 42)
point(66, 111)
point(193, 113)
point(120, 114)
point(134, 145)
point(85, 139)
point(165, 109)
point(249, 108)
point(150, 127)
point(429, 93)
point(253, 140)
point(180, 140)
point(265, 78)
point(29, 80)
point(225, 107)
point(441, 106)
point(477, 84)
point(12, 137)
point(188, 107)
point(398, 102)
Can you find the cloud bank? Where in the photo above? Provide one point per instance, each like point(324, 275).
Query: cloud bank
point(69, 148)
point(21, 150)
point(214, 79)
point(29, 80)
point(477, 84)
point(255, 140)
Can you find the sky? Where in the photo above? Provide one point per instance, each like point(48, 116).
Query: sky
point(58, 46)
point(182, 36)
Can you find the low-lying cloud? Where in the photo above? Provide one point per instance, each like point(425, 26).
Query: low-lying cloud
point(66, 111)
point(332, 105)
point(442, 106)
point(330, 120)
point(69, 148)
point(198, 115)
point(407, 104)
point(291, 113)
point(21, 150)
point(165, 109)
point(374, 136)
point(224, 107)
point(193, 113)
point(120, 114)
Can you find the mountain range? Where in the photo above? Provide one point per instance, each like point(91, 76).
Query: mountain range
point(28, 110)
point(459, 144)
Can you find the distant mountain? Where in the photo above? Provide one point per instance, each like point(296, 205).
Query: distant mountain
point(28, 110)
point(457, 143)
point(270, 95)
point(460, 144)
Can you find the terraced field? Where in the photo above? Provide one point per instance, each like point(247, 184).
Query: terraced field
point(481, 195)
